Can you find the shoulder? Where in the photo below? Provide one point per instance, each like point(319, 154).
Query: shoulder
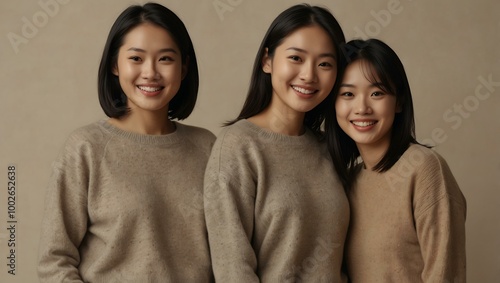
point(423, 160)
point(237, 143)
point(83, 146)
point(241, 130)
point(196, 133)
point(200, 138)
point(239, 135)
point(432, 176)
point(90, 135)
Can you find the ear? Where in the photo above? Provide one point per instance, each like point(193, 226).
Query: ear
point(267, 62)
point(115, 70)
point(185, 68)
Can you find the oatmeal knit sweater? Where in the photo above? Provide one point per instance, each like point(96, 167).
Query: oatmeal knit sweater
point(124, 207)
point(275, 209)
point(408, 223)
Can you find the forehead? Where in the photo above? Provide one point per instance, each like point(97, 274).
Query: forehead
point(311, 38)
point(361, 70)
point(149, 36)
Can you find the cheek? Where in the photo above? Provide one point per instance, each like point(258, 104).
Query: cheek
point(282, 70)
point(125, 70)
point(340, 108)
point(389, 109)
point(329, 78)
point(170, 71)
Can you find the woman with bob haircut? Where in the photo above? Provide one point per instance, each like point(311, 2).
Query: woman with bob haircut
point(119, 206)
point(274, 207)
point(407, 210)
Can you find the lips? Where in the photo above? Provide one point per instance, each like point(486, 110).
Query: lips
point(150, 88)
point(363, 123)
point(304, 92)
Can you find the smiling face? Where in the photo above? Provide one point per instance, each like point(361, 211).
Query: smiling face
point(303, 69)
point(149, 68)
point(365, 112)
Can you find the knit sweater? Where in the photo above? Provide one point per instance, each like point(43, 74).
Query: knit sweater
point(125, 207)
point(275, 209)
point(408, 223)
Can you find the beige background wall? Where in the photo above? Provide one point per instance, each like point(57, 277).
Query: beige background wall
point(48, 69)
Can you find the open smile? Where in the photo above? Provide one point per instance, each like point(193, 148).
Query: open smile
point(149, 90)
point(304, 92)
point(363, 123)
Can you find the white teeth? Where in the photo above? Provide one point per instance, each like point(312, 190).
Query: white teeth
point(149, 88)
point(363, 123)
point(303, 90)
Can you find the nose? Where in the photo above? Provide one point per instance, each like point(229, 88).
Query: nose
point(362, 106)
point(149, 70)
point(308, 72)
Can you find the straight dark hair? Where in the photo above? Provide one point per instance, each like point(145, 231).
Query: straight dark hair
point(260, 91)
point(388, 68)
point(111, 96)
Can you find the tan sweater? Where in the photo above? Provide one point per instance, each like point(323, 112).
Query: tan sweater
point(407, 224)
point(275, 210)
point(124, 207)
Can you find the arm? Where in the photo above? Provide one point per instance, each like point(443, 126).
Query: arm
point(65, 217)
point(440, 211)
point(229, 195)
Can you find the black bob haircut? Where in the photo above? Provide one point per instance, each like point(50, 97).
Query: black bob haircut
point(260, 91)
point(111, 97)
point(384, 64)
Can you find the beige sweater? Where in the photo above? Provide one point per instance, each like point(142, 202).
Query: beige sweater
point(274, 207)
point(407, 224)
point(124, 207)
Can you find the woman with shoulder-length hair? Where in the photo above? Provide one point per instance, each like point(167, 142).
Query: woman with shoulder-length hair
point(407, 211)
point(119, 203)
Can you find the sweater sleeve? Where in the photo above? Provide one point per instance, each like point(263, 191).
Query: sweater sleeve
point(440, 211)
point(65, 218)
point(229, 196)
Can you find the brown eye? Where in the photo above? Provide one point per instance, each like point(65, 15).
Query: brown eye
point(167, 58)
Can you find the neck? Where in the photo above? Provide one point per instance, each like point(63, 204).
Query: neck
point(372, 154)
point(283, 121)
point(145, 122)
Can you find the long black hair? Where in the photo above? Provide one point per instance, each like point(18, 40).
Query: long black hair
point(388, 68)
point(260, 91)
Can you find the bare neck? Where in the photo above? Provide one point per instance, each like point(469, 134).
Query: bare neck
point(145, 122)
point(283, 122)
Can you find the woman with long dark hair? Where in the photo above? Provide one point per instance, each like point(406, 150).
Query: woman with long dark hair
point(275, 209)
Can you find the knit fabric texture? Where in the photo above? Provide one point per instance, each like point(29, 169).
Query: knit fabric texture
point(275, 209)
point(125, 207)
point(408, 223)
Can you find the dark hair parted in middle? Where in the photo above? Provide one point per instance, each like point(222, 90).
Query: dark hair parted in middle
point(387, 68)
point(260, 91)
point(111, 97)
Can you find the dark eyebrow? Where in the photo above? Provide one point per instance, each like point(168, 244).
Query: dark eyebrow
point(304, 51)
point(376, 84)
point(144, 51)
point(346, 85)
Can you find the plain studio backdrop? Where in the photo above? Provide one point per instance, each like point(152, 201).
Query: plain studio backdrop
point(50, 52)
